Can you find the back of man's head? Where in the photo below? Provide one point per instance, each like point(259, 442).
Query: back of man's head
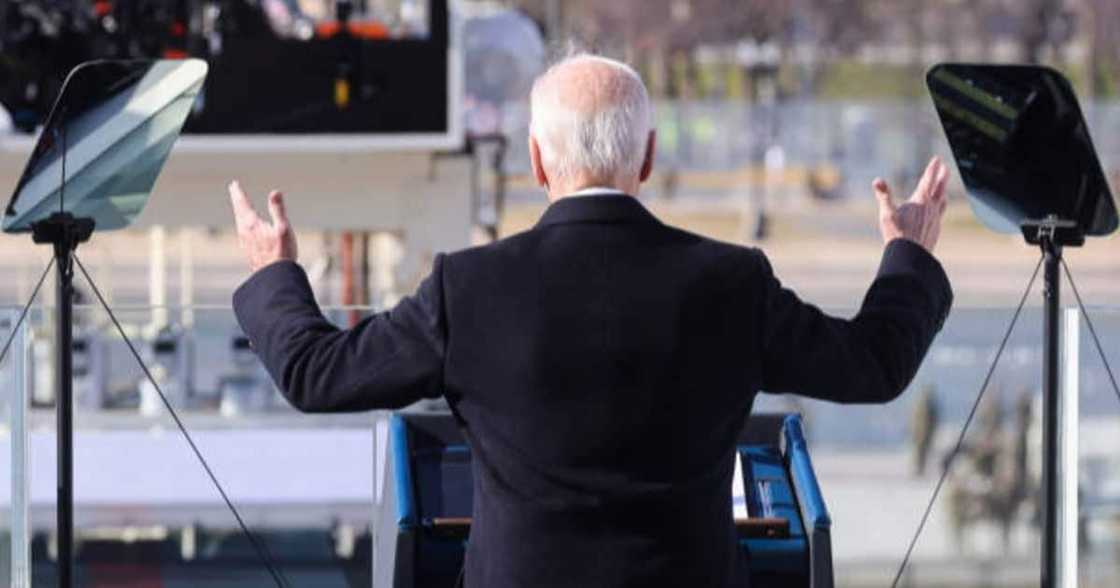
point(591, 122)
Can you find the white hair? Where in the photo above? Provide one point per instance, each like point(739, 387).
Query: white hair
point(600, 143)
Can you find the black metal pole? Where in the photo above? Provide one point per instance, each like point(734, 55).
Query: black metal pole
point(64, 232)
point(64, 404)
point(1051, 334)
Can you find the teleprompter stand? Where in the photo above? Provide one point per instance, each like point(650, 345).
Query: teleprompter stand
point(64, 233)
point(124, 117)
point(1023, 150)
point(1051, 235)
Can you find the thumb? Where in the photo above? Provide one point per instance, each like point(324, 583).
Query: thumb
point(883, 195)
point(276, 209)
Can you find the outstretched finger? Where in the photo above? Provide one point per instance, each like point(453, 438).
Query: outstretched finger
point(921, 193)
point(883, 195)
point(937, 191)
point(276, 209)
point(243, 212)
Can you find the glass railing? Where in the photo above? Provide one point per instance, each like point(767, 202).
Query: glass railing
point(1098, 444)
point(306, 483)
point(878, 464)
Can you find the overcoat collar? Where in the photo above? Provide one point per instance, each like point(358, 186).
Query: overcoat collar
point(596, 208)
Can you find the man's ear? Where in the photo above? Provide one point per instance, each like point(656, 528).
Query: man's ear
point(535, 161)
point(651, 152)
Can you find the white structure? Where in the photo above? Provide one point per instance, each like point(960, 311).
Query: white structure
point(1068, 477)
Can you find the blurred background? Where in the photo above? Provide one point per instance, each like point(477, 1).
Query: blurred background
point(398, 128)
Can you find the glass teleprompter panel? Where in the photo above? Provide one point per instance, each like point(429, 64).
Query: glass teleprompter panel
point(1022, 146)
point(116, 121)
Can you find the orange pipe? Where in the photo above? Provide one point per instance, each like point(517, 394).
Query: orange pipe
point(346, 258)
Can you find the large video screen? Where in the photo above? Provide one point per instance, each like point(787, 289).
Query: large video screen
point(377, 19)
point(377, 68)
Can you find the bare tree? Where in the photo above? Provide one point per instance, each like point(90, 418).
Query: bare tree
point(1100, 18)
point(1038, 19)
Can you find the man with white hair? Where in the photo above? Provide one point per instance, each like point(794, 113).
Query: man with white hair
point(602, 363)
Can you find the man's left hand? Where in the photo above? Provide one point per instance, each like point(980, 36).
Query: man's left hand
point(263, 243)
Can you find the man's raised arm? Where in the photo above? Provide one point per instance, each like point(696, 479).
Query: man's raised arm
point(388, 360)
point(873, 356)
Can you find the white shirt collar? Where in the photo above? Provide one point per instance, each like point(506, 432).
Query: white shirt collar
point(598, 191)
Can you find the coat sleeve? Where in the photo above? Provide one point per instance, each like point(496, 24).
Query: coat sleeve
point(870, 358)
point(388, 360)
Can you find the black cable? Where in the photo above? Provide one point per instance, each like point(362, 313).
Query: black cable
point(964, 430)
point(26, 309)
point(1092, 331)
point(258, 545)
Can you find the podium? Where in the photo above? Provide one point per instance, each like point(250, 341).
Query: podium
point(424, 519)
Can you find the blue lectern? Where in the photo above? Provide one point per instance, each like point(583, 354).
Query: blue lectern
point(425, 512)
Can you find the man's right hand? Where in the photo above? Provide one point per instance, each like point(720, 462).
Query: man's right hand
point(919, 218)
point(262, 243)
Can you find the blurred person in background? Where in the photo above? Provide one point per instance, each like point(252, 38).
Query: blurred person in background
point(601, 364)
point(923, 427)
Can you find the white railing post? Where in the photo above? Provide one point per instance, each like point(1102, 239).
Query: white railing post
point(1068, 409)
point(380, 455)
point(18, 386)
